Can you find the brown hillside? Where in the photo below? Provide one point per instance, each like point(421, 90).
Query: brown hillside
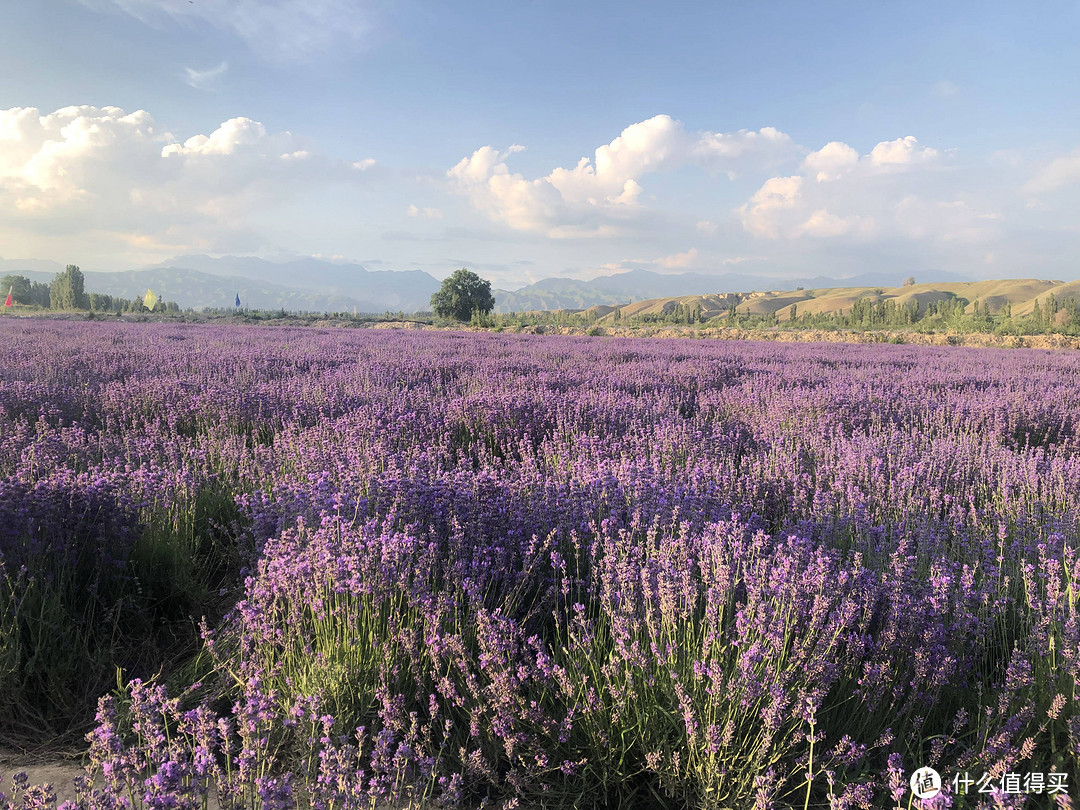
point(1021, 294)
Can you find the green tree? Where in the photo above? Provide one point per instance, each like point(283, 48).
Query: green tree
point(100, 302)
point(19, 286)
point(67, 290)
point(39, 294)
point(462, 294)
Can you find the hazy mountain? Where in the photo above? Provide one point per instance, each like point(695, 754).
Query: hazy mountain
point(639, 285)
point(26, 267)
point(190, 288)
point(407, 290)
point(316, 285)
point(302, 284)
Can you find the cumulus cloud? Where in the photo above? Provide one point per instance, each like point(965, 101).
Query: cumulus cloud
point(831, 161)
point(901, 152)
point(289, 29)
point(599, 194)
point(205, 79)
point(762, 215)
point(708, 227)
point(128, 180)
point(892, 191)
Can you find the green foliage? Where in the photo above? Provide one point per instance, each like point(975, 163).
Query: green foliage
point(24, 291)
point(481, 319)
point(19, 286)
point(67, 290)
point(673, 312)
point(462, 294)
point(122, 589)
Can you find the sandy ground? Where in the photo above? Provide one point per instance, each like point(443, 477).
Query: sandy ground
point(49, 768)
point(42, 769)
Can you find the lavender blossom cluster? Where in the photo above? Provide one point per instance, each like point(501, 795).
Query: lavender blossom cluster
point(486, 569)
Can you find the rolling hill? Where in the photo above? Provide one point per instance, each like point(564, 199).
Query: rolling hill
point(639, 285)
point(1020, 294)
point(315, 285)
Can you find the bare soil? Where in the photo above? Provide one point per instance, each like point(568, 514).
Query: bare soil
point(43, 768)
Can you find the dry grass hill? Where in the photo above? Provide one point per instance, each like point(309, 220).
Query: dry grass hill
point(1020, 294)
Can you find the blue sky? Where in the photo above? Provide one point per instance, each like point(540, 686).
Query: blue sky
point(528, 140)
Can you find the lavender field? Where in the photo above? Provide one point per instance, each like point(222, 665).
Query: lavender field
point(360, 568)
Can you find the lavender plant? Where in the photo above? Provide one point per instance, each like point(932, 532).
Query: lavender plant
point(448, 569)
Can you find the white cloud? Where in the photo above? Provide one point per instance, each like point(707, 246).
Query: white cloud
point(288, 29)
point(731, 151)
point(1061, 172)
point(831, 161)
point(762, 215)
point(598, 195)
point(708, 227)
point(679, 260)
point(122, 179)
point(205, 79)
point(822, 224)
point(424, 213)
point(893, 191)
point(901, 152)
point(956, 220)
point(233, 136)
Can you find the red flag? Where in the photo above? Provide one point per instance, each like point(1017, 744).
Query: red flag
point(8, 302)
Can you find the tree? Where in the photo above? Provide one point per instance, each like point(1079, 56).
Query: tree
point(909, 281)
point(461, 295)
point(19, 286)
point(67, 290)
point(100, 302)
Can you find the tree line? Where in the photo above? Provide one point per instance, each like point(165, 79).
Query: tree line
point(1049, 315)
point(67, 291)
point(946, 315)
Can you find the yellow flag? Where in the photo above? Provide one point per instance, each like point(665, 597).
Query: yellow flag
point(150, 300)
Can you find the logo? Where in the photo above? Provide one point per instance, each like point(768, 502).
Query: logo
point(926, 783)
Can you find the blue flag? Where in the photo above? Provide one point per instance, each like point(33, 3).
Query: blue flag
point(238, 300)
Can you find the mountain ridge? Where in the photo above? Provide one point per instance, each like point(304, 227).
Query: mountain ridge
point(312, 284)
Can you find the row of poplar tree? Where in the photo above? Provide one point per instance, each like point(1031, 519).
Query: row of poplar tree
point(67, 291)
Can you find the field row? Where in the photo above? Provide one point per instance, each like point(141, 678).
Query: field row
point(352, 568)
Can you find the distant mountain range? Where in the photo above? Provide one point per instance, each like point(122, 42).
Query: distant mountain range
point(303, 285)
point(315, 285)
point(641, 285)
